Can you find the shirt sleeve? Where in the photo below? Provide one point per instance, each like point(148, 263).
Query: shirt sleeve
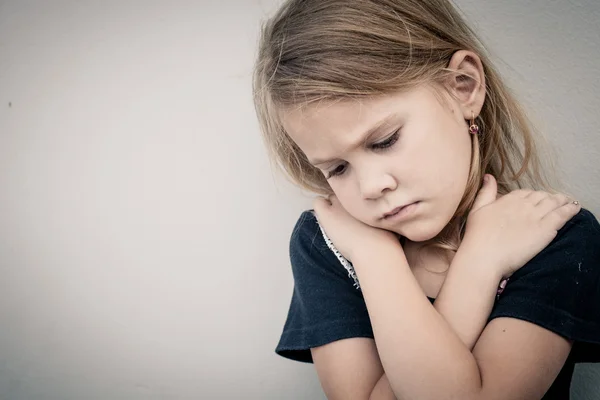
point(559, 289)
point(326, 305)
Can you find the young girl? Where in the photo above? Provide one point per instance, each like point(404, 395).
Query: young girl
point(392, 110)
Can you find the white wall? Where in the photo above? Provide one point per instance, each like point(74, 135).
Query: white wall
point(143, 238)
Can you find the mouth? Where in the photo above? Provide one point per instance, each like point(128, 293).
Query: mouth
point(397, 211)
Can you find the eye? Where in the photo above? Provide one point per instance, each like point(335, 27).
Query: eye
point(339, 170)
point(389, 142)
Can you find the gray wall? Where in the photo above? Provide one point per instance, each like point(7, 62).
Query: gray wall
point(143, 238)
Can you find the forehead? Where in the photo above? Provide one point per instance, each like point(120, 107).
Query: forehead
point(320, 129)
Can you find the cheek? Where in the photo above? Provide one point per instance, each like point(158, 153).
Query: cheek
point(451, 158)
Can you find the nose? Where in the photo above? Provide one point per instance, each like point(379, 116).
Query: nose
point(374, 183)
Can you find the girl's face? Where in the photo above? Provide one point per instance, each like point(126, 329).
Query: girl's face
point(383, 153)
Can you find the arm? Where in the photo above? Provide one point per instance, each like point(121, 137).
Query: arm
point(410, 334)
point(530, 357)
point(467, 295)
point(464, 302)
point(417, 347)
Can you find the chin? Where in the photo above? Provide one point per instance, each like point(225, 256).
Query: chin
point(419, 231)
point(419, 237)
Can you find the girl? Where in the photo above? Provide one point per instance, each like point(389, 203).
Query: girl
point(392, 110)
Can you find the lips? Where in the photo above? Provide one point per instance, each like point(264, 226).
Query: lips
point(395, 210)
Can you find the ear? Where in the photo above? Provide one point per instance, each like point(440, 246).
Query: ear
point(468, 84)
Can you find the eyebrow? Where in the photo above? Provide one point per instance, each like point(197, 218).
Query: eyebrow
point(376, 128)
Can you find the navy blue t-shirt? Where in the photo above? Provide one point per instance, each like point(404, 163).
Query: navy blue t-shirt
point(559, 289)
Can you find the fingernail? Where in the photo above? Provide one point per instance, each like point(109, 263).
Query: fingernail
point(486, 179)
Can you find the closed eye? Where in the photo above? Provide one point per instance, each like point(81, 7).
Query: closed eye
point(389, 142)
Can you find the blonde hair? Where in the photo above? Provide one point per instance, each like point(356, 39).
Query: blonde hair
point(327, 50)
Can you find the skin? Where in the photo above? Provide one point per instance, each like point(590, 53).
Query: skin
point(428, 163)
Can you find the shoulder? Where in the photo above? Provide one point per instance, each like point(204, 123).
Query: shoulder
point(583, 229)
point(312, 251)
point(307, 248)
point(306, 233)
point(559, 289)
point(325, 306)
point(574, 250)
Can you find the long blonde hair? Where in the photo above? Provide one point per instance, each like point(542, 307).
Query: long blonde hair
point(326, 50)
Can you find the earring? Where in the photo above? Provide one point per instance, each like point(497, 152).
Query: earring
point(473, 129)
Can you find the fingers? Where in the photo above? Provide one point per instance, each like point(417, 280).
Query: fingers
point(545, 203)
point(487, 194)
point(322, 203)
point(536, 196)
point(550, 202)
point(559, 216)
point(521, 193)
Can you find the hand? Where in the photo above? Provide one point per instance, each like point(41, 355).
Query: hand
point(511, 230)
point(348, 234)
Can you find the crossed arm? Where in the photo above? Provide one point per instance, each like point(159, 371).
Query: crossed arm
point(444, 351)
